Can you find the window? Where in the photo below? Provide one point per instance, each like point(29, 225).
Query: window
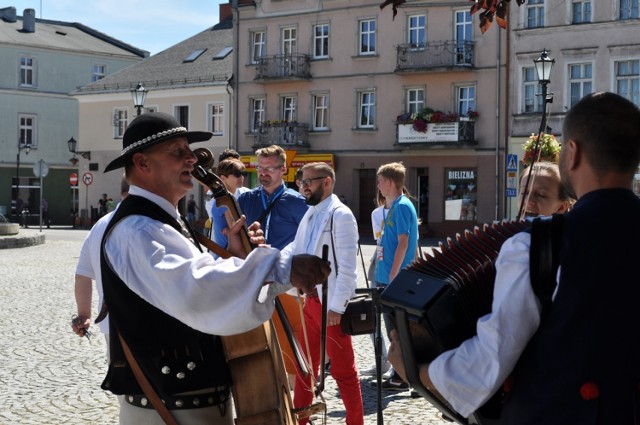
point(194, 55)
point(182, 115)
point(366, 109)
point(367, 44)
point(120, 122)
point(466, 99)
point(415, 100)
point(288, 108)
point(320, 117)
point(628, 9)
point(27, 130)
point(99, 72)
point(461, 197)
point(530, 102)
point(216, 118)
point(289, 39)
point(27, 71)
point(417, 34)
point(257, 113)
point(628, 80)
point(321, 41)
point(223, 53)
point(464, 34)
point(581, 12)
point(535, 13)
point(257, 45)
point(580, 81)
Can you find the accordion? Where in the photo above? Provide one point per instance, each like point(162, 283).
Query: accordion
point(436, 302)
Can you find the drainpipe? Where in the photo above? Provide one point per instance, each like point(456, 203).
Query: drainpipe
point(497, 153)
point(236, 76)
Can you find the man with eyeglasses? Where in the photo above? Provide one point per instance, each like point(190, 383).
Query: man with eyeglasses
point(279, 211)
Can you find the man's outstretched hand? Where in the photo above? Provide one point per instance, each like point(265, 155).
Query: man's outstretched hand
point(307, 271)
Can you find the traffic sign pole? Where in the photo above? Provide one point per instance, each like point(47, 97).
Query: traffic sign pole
point(87, 179)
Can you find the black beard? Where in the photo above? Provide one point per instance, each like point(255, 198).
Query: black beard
point(315, 198)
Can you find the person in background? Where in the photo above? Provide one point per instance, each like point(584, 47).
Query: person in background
point(44, 206)
point(192, 207)
point(279, 210)
point(231, 172)
point(398, 241)
point(546, 195)
point(377, 216)
point(572, 362)
point(328, 222)
point(167, 298)
point(102, 205)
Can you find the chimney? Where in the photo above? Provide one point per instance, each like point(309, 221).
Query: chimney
point(225, 11)
point(8, 14)
point(29, 20)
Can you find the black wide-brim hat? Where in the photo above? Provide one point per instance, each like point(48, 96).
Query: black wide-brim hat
point(148, 130)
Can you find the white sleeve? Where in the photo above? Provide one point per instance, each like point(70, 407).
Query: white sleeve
point(213, 296)
point(470, 374)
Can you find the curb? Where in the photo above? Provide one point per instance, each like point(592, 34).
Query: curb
point(21, 241)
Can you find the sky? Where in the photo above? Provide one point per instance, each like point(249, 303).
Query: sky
point(151, 25)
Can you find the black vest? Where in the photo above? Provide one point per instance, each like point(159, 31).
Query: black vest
point(174, 357)
point(583, 364)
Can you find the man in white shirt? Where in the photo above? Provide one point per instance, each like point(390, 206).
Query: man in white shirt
point(328, 222)
point(167, 298)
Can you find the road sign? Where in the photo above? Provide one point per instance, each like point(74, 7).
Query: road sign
point(73, 179)
point(512, 184)
point(87, 178)
point(512, 162)
point(40, 169)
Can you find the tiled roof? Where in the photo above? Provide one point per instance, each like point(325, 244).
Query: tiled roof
point(169, 69)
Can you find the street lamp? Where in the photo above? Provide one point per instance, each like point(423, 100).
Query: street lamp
point(544, 65)
point(27, 147)
point(72, 144)
point(139, 94)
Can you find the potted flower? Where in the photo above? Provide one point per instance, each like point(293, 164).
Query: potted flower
point(419, 120)
point(549, 148)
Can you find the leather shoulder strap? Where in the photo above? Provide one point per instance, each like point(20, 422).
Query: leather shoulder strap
point(544, 257)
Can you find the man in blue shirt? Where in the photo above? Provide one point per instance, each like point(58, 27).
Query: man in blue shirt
point(397, 246)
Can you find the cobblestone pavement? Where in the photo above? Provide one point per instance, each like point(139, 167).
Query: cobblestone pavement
point(51, 376)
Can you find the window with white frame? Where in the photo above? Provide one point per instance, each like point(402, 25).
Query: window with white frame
point(321, 41)
point(530, 102)
point(415, 100)
point(581, 12)
point(580, 81)
point(289, 41)
point(216, 118)
point(366, 109)
point(464, 34)
point(417, 30)
point(628, 9)
point(628, 80)
point(99, 71)
point(120, 122)
point(27, 71)
point(535, 13)
point(27, 130)
point(367, 35)
point(466, 99)
point(258, 45)
point(257, 113)
point(320, 117)
point(288, 108)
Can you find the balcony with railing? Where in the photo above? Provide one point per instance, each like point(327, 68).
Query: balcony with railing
point(285, 134)
point(277, 67)
point(435, 55)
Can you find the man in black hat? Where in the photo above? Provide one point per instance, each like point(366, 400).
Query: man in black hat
point(166, 297)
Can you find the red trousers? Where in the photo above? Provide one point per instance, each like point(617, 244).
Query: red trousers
point(343, 367)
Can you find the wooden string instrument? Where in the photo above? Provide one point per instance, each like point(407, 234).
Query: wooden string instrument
point(261, 390)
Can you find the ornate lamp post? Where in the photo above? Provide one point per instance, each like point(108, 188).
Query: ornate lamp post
point(139, 94)
point(27, 147)
point(72, 144)
point(544, 65)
